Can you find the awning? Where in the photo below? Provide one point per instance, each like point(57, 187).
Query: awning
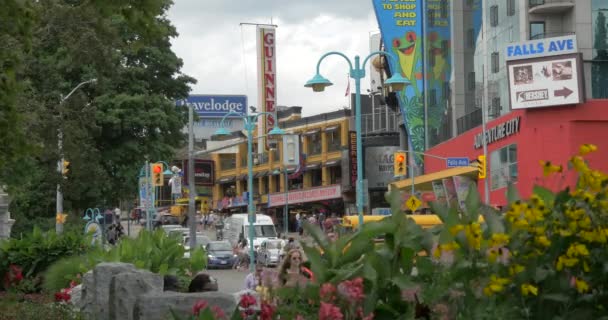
point(424, 182)
point(311, 132)
point(225, 179)
point(261, 174)
point(332, 163)
point(332, 128)
point(313, 166)
point(242, 177)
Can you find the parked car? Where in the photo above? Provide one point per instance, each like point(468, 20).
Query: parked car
point(220, 255)
point(269, 252)
point(201, 241)
point(167, 228)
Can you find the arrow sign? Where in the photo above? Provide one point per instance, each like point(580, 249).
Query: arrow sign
point(565, 92)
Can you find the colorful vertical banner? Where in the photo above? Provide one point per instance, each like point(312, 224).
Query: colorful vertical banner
point(267, 72)
point(401, 28)
point(437, 62)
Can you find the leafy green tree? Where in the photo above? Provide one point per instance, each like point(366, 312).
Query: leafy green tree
point(110, 127)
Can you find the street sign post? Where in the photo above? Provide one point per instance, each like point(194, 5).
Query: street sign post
point(457, 162)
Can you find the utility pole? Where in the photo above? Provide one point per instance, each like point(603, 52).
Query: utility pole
point(192, 187)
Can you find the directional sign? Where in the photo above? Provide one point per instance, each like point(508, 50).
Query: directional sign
point(457, 162)
point(413, 203)
point(546, 81)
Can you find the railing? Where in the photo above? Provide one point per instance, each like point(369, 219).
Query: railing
point(550, 35)
point(379, 122)
point(469, 121)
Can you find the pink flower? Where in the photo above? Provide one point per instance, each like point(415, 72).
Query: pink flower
point(247, 300)
point(218, 312)
point(327, 292)
point(409, 295)
point(329, 311)
point(267, 311)
point(198, 306)
point(352, 289)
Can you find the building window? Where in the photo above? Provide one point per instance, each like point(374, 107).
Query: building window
point(471, 38)
point(503, 167)
point(599, 62)
point(494, 16)
point(495, 62)
point(316, 178)
point(537, 30)
point(335, 175)
point(510, 7)
point(314, 143)
point(332, 136)
point(471, 81)
point(495, 108)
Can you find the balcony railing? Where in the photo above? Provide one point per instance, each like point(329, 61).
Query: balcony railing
point(550, 35)
point(469, 121)
point(379, 122)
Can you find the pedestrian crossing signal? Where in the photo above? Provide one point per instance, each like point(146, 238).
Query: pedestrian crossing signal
point(157, 174)
point(481, 167)
point(399, 164)
point(65, 168)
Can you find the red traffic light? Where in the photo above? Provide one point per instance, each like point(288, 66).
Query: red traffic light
point(399, 158)
point(157, 169)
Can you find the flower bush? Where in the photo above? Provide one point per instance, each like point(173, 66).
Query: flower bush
point(544, 258)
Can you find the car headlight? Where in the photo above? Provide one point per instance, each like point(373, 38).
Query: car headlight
point(210, 256)
point(234, 255)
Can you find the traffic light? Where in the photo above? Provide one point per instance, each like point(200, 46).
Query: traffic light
point(157, 174)
point(481, 167)
point(65, 168)
point(205, 205)
point(399, 164)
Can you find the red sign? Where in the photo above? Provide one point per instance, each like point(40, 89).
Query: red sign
point(352, 158)
point(267, 76)
point(310, 195)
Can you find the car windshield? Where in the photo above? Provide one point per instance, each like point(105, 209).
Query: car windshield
point(265, 231)
point(273, 244)
point(220, 246)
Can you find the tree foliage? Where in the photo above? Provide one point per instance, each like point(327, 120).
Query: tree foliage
point(109, 127)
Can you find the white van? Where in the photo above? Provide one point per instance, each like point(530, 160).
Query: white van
point(236, 227)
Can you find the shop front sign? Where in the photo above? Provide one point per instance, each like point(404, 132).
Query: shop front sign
point(309, 195)
point(498, 132)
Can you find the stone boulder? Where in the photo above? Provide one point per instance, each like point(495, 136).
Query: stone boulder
point(126, 287)
point(157, 305)
point(87, 296)
point(102, 278)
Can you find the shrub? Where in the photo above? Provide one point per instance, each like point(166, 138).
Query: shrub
point(152, 251)
point(36, 251)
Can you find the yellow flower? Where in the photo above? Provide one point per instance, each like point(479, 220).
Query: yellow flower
point(542, 241)
point(473, 235)
point(577, 250)
point(499, 240)
point(60, 218)
point(586, 148)
point(527, 289)
point(456, 229)
point(565, 261)
point(496, 285)
point(515, 269)
point(579, 164)
point(521, 223)
point(586, 266)
point(549, 168)
point(581, 285)
point(585, 223)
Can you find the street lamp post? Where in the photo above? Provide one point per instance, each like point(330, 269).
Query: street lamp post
point(396, 83)
point(250, 121)
point(60, 217)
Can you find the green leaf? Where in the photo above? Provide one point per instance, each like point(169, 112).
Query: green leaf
point(492, 219)
point(356, 249)
point(512, 193)
point(545, 194)
point(317, 234)
point(317, 263)
point(557, 297)
point(472, 203)
point(403, 282)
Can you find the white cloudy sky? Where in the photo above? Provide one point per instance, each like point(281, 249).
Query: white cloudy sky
point(220, 53)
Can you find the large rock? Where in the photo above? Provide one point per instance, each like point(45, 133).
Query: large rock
point(157, 305)
point(76, 296)
point(126, 287)
point(102, 277)
point(87, 296)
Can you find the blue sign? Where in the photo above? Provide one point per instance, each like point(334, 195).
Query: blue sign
point(216, 106)
point(457, 162)
point(541, 48)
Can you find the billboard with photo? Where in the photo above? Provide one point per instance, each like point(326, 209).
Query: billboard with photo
point(546, 81)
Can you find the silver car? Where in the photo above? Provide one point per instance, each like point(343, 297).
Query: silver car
point(269, 251)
